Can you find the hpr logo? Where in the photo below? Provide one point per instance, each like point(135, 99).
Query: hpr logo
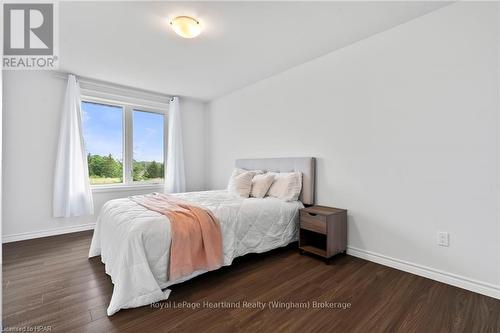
point(28, 29)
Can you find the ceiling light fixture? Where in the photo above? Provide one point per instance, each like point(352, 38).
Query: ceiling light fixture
point(186, 26)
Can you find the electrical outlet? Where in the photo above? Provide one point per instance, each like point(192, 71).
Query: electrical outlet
point(443, 239)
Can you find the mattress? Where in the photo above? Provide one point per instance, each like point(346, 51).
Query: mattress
point(134, 242)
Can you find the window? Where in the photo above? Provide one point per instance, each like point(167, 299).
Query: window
point(125, 143)
point(103, 135)
point(148, 152)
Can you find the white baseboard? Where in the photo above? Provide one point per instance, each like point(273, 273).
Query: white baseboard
point(46, 233)
point(431, 273)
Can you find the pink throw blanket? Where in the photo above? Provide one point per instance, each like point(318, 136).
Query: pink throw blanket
point(196, 236)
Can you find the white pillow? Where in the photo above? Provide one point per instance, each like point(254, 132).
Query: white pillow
point(286, 186)
point(240, 182)
point(261, 184)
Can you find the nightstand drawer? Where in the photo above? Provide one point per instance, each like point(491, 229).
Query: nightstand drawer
point(314, 223)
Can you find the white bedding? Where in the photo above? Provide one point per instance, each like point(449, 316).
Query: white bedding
point(134, 242)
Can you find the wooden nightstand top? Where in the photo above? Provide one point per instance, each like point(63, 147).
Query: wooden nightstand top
point(323, 210)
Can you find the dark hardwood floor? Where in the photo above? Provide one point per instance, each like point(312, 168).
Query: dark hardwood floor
point(50, 282)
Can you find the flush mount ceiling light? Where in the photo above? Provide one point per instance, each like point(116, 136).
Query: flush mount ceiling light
point(186, 26)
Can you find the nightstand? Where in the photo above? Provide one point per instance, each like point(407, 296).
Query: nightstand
point(323, 231)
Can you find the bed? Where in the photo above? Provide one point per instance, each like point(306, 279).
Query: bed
point(134, 242)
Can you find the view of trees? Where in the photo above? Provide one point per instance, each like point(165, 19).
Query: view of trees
point(147, 170)
point(104, 166)
point(107, 169)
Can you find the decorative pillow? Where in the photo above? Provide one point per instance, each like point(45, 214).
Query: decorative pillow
point(240, 182)
point(261, 184)
point(286, 186)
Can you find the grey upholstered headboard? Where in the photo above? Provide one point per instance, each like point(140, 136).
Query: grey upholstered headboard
point(306, 165)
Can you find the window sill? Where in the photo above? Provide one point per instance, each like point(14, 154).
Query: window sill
point(125, 187)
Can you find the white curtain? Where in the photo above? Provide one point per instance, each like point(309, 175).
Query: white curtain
point(72, 194)
point(175, 178)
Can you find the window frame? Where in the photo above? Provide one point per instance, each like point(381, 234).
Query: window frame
point(128, 141)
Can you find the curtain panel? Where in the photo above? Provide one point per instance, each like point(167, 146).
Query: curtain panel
point(175, 178)
point(72, 193)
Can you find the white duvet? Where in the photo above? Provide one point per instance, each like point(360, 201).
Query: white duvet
point(134, 242)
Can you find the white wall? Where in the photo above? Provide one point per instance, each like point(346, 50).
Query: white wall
point(32, 107)
point(193, 138)
point(1, 156)
point(405, 128)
